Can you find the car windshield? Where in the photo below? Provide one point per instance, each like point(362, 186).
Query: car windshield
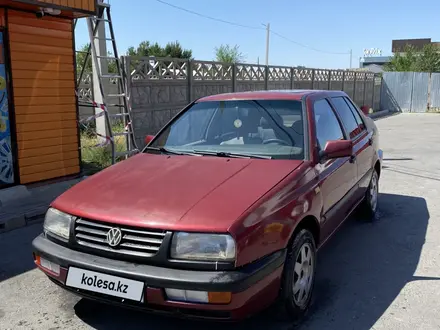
point(245, 128)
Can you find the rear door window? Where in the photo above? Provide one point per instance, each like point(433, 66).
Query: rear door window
point(347, 117)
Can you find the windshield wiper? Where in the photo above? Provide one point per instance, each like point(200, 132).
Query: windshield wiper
point(230, 154)
point(168, 151)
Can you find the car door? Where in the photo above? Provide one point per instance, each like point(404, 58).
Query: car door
point(362, 147)
point(336, 176)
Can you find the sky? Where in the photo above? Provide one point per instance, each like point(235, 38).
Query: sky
point(315, 29)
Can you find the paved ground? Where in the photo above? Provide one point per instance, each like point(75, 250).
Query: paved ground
point(383, 275)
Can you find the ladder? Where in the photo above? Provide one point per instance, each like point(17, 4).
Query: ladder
point(104, 17)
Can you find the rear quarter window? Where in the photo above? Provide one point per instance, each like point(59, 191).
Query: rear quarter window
point(356, 114)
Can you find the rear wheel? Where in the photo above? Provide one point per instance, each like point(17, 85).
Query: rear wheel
point(369, 204)
point(298, 277)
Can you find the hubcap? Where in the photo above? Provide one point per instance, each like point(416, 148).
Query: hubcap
point(373, 192)
point(303, 275)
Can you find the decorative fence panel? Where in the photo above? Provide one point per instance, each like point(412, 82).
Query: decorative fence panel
point(160, 87)
point(85, 94)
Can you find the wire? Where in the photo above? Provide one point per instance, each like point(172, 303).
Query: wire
point(247, 27)
point(305, 46)
point(209, 17)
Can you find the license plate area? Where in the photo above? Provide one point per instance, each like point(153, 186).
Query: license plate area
point(105, 284)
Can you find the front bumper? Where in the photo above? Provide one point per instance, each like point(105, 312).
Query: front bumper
point(248, 285)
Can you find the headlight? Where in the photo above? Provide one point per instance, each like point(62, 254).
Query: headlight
point(205, 247)
point(57, 223)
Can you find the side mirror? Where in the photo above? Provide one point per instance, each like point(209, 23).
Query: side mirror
point(337, 149)
point(148, 139)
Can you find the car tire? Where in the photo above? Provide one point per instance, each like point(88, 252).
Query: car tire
point(369, 204)
point(298, 278)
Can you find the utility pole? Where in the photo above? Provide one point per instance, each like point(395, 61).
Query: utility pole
point(351, 57)
point(267, 42)
point(101, 50)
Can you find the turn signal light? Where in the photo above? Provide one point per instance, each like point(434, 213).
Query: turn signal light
point(219, 297)
point(203, 297)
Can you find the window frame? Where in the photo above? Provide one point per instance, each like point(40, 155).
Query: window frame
point(333, 110)
point(353, 107)
point(357, 136)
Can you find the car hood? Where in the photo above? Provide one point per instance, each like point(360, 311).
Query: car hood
point(190, 193)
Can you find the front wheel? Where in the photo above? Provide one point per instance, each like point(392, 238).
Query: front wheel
point(298, 277)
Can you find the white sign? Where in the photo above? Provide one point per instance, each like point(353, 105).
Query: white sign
point(372, 52)
point(103, 283)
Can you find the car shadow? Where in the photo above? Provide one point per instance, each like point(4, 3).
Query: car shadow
point(360, 272)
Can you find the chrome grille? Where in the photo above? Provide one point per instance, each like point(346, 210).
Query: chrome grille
point(135, 242)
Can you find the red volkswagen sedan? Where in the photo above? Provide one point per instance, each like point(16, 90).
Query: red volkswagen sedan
point(223, 212)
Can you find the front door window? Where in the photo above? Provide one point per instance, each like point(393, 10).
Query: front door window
point(6, 159)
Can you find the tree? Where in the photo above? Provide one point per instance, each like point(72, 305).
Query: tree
point(403, 62)
point(175, 50)
point(80, 58)
point(80, 61)
point(228, 54)
point(171, 49)
point(428, 60)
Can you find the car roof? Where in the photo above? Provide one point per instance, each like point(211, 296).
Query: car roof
point(289, 94)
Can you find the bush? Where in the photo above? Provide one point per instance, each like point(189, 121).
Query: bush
point(97, 158)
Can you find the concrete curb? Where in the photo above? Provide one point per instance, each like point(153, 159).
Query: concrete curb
point(29, 205)
point(29, 218)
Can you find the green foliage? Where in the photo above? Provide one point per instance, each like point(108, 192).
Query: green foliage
point(228, 54)
point(171, 49)
point(97, 158)
point(428, 60)
point(80, 61)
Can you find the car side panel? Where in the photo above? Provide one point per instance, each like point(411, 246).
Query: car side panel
point(364, 152)
point(324, 192)
point(336, 181)
point(268, 225)
point(337, 177)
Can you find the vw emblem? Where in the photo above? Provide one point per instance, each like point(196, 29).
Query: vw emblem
point(114, 237)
